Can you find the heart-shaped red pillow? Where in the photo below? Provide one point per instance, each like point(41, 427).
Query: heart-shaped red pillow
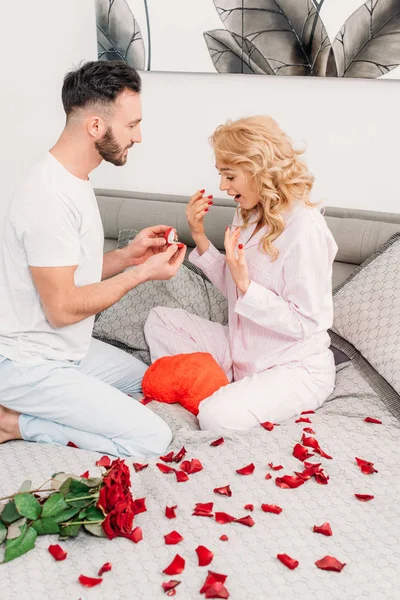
point(184, 378)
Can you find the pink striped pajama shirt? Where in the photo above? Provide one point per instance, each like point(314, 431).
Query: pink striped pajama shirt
point(275, 348)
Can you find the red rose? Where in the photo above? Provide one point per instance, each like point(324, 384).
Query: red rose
point(119, 522)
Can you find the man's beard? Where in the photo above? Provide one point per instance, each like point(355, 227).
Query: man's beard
point(110, 150)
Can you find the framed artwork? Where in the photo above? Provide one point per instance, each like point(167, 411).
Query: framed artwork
point(318, 38)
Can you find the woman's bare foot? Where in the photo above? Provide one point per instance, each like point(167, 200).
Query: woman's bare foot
point(9, 427)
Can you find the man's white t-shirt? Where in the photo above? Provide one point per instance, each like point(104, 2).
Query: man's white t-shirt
point(53, 221)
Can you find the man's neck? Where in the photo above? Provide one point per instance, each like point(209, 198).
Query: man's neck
point(76, 155)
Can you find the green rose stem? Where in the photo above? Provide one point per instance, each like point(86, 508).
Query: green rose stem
point(80, 522)
point(92, 496)
point(30, 492)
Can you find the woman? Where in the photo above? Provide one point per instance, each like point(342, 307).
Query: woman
point(276, 275)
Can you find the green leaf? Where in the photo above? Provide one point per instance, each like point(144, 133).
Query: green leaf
point(26, 486)
point(78, 487)
point(66, 514)
point(46, 526)
point(10, 513)
point(61, 481)
point(21, 544)
point(54, 505)
point(95, 529)
point(94, 514)
point(27, 506)
point(94, 481)
point(3, 532)
point(70, 530)
point(15, 529)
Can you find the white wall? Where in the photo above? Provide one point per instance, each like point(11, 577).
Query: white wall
point(351, 127)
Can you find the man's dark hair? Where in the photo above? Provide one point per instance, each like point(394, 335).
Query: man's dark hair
point(98, 82)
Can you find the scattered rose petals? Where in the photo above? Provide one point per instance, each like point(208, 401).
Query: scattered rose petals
point(372, 420)
point(212, 579)
point(85, 475)
point(181, 476)
point(364, 497)
point(139, 467)
point(176, 567)
point(57, 552)
point(217, 442)
point(168, 457)
point(291, 563)
point(170, 512)
point(217, 590)
point(275, 467)
point(204, 555)
point(224, 491)
point(89, 581)
point(311, 442)
point(248, 521)
point(146, 400)
point(309, 430)
point(106, 567)
point(308, 412)
point(104, 461)
point(271, 508)
point(249, 507)
point(268, 476)
point(248, 470)
point(325, 529)
point(191, 466)
point(303, 420)
point(267, 425)
point(173, 538)
point(136, 535)
point(165, 468)
point(72, 445)
point(301, 453)
point(224, 538)
point(139, 506)
point(330, 563)
point(289, 481)
point(222, 517)
point(170, 585)
point(366, 467)
point(179, 456)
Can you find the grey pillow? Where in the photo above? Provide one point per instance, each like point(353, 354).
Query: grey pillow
point(367, 311)
point(123, 323)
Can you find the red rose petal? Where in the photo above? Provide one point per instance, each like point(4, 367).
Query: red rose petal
point(170, 585)
point(57, 552)
point(311, 442)
point(181, 476)
point(248, 521)
point(275, 467)
point(366, 467)
point(289, 481)
point(89, 581)
point(146, 400)
point(308, 412)
point(170, 512)
point(165, 468)
point(191, 466)
point(179, 456)
point(106, 567)
point(139, 467)
point(224, 538)
point(168, 457)
point(72, 445)
point(205, 556)
point(271, 508)
point(206, 506)
point(248, 470)
point(268, 476)
point(291, 563)
point(224, 491)
point(104, 461)
point(136, 535)
point(176, 567)
point(173, 538)
point(217, 590)
point(222, 517)
point(301, 453)
point(212, 579)
point(171, 592)
point(267, 425)
point(85, 475)
point(309, 430)
point(330, 563)
point(321, 478)
point(303, 420)
point(249, 507)
point(372, 420)
point(139, 506)
point(325, 529)
point(217, 442)
point(202, 513)
point(364, 497)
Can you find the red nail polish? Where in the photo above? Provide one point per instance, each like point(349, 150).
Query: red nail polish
point(202, 191)
point(210, 203)
point(227, 227)
point(240, 246)
point(206, 210)
point(209, 197)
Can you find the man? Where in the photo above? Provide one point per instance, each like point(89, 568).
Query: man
point(58, 384)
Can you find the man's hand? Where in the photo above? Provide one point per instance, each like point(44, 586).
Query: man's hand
point(147, 243)
point(163, 265)
point(237, 265)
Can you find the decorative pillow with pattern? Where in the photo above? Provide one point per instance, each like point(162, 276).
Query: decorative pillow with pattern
point(367, 310)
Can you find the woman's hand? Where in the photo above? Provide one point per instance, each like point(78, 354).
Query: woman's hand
point(237, 264)
point(196, 210)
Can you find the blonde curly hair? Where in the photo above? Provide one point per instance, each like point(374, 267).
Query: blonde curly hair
point(260, 147)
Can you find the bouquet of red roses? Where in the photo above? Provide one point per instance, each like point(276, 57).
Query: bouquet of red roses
point(103, 506)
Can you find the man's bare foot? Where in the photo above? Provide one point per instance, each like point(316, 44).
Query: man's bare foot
point(9, 427)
